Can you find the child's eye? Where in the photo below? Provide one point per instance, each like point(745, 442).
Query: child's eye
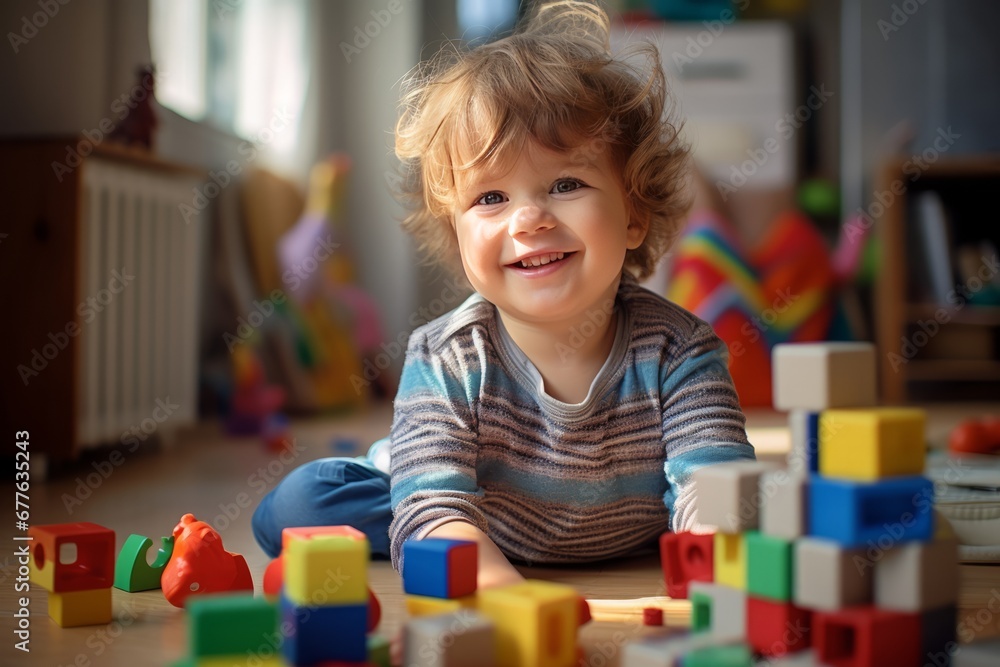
point(566, 185)
point(490, 198)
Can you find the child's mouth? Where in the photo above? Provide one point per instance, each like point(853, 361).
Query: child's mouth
point(540, 263)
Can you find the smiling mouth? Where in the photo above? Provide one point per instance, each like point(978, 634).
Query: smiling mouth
point(540, 260)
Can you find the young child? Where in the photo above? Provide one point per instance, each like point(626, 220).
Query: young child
point(557, 415)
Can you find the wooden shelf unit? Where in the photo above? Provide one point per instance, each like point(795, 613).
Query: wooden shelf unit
point(896, 310)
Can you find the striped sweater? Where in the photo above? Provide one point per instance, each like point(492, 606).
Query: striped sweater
point(475, 438)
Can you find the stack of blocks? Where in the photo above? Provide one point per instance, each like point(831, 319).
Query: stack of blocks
point(838, 550)
point(528, 624)
point(75, 562)
point(324, 596)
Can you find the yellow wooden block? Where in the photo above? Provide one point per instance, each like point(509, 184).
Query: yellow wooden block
point(421, 605)
point(76, 608)
point(536, 623)
point(868, 445)
point(730, 555)
point(239, 661)
point(326, 570)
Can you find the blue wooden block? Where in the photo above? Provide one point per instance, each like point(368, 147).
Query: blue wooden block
point(320, 634)
point(880, 514)
point(440, 568)
point(812, 441)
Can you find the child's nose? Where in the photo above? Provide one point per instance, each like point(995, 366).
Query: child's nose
point(529, 218)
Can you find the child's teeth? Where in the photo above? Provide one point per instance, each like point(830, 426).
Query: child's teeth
point(540, 260)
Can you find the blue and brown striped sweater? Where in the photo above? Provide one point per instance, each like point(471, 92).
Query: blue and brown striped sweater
point(475, 438)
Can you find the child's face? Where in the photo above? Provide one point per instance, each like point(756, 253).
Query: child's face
point(549, 205)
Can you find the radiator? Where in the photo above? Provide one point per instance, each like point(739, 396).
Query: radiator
point(139, 352)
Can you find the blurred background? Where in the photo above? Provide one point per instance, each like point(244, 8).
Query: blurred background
point(198, 222)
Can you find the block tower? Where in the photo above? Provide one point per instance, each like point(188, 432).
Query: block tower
point(75, 562)
point(837, 550)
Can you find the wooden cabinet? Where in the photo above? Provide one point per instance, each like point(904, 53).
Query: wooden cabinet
point(943, 342)
point(100, 267)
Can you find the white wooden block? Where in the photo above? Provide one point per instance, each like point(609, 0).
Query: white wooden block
point(785, 511)
point(805, 658)
point(729, 609)
point(462, 639)
point(664, 651)
point(829, 577)
point(818, 376)
point(727, 495)
point(917, 576)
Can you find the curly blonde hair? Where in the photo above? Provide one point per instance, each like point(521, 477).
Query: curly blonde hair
point(555, 82)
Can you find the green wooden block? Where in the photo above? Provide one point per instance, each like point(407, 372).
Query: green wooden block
point(132, 572)
point(770, 563)
point(701, 612)
point(737, 655)
point(378, 651)
point(231, 624)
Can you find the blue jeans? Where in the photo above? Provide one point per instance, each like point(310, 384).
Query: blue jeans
point(327, 492)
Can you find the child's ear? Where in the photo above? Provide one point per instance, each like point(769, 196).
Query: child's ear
point(635, 234)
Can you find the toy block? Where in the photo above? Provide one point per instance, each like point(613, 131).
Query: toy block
point(686, 557)
point(663, 650)
point(776, 628)
point(75, 608)
point(868, 445)
point(378, 651)
point(720, 610)
point(918, 576)
point(730, 552)
point(423, 605)
point(236, 661)
point(133, 572)
point(310, 532)
point(804, 428)
point(230, 624)
point(325, 569)
point(536, 623)
point(736, 655)
point(770, 567)
point(440, 568)
point(464, 639)
point(69, 557)
point(274, 577)
point(893, 510)
point(866, 637)
point(820, 376)
point(785, 510)
point(830, 577)
point(938, 635)
point(728, 495)
point(321, 634)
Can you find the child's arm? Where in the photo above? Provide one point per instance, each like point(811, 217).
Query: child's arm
point(702, 421)
point(494, 568)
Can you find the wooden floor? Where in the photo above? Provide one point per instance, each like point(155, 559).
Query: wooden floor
point(211, 476)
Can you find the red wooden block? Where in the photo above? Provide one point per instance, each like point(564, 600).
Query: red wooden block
point(67, 557)
point(867, 637)
point(584, 611)
point(652, 616)
point(685, 557)
point(777, 628)
point(463, 570)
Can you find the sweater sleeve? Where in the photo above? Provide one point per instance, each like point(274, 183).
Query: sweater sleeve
point(434, 444)
point(702, 421)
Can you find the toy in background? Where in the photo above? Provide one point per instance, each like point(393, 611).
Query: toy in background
point(341, 323)
point(199, 564)
point(253, 404)
point(839, 547)
point(975, 436)
point(75, 563)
